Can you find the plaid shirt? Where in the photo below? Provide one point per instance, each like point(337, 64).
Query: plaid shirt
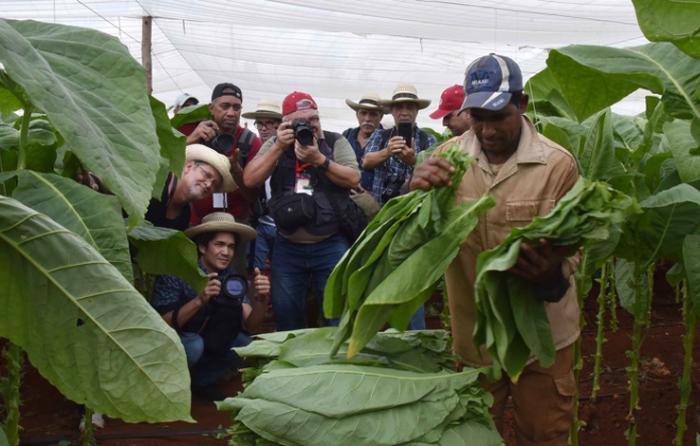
point(393, 171)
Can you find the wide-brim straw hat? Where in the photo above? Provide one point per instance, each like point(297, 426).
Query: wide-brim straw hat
point(200, 152)
point(221, 222)
point(266, 109)
point(370, 101)
point(405, 92)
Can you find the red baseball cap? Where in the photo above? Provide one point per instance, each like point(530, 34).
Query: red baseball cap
point(450, 100)
point(298, 100)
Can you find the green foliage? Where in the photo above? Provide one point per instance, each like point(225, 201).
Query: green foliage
point(94, 94)
point(188, 115)
point(172, 146)
point(83, 325)
point(398, 260)
point(511, 320)
point(677, 22)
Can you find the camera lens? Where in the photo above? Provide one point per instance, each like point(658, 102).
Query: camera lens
point(303, 132)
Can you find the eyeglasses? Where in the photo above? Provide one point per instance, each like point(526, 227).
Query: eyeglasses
point(209, 173)
point(266, 124)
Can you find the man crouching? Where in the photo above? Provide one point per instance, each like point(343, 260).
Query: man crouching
point(210, 323)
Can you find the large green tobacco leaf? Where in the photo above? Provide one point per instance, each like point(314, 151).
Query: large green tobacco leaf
point(83, 326)
point(595, 77)
point(167, 251)
point(545, 98)
point(94, 94)
point(632, 287)
point(684, 147)
point(668, 216)
point(597, 158)
point(675, 21)
point(172, 146)
point(691, 262)
point(95, 217)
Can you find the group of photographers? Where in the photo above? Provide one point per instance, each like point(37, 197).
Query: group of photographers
point(302, 189)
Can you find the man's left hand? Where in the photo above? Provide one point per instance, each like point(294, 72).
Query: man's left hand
point(235, 165)
point(539, 262)
point(261, 286)
point(308, 154)
point(407, 154)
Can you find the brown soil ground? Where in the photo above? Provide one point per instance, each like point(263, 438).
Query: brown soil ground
point(47, 417)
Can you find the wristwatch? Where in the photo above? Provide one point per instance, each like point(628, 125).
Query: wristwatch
point(324, 165)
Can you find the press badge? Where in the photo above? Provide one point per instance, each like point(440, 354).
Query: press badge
point(303, 185)
point(219, 200)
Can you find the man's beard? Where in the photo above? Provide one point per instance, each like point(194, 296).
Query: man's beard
point(197, 193)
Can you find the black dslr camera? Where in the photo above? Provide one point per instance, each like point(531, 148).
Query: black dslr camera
point(222, 143)
point(392, 186)
point(303, 132)
point(234, 288)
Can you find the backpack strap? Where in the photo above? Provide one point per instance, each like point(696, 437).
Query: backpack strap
point(245, 142)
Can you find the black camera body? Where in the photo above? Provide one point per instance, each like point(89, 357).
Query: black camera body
point(234, 288)
point(222, 143)
point(303, 132)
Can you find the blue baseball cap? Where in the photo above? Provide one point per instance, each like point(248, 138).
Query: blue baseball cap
point(490, 82)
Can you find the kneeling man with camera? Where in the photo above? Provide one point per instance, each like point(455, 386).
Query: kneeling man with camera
point(210, 323)
point(312, 172)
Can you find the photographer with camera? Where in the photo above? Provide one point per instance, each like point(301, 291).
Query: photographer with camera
point(391, 154)
point(312, 172)
point(211, 322)
point(224, 134)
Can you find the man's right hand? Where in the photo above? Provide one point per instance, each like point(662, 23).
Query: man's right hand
point(433, 172)
point(285, 136)
point(212, 289)
point(205, 131)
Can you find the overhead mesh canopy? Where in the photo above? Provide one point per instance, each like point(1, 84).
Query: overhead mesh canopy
point(340, 49)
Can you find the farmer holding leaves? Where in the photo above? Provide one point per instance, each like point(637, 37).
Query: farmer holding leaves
point(527, 174)
point(209, 323)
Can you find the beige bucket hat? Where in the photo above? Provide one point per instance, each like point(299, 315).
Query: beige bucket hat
point(221, 222)
point(200, 152)
point(405, 92)
point(370, 101)
point(266, 109)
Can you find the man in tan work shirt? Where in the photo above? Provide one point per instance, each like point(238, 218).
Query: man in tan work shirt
point(526, 174)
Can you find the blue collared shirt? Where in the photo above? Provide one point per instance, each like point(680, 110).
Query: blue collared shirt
point(392, 169)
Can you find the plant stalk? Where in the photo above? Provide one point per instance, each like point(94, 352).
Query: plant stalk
point(576, 424)
point(612, 300)
point(690, 322)
point(87, 436)
point(641, 317)
point(11, 392)
point(600, 331)
point(24, 137)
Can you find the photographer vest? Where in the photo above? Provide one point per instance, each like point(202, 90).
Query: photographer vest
point(283, 180)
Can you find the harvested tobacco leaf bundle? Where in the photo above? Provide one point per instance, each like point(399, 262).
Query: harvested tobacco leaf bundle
point(511, 319)
point(394, 266)
point(416, 350)
point(347, 404)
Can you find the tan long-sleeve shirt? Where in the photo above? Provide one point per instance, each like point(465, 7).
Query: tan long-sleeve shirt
point(529, 184)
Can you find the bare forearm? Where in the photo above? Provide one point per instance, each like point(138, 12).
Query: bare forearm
point(372, 160)
point(343, 176)
point(185, 313)
point(261, 167)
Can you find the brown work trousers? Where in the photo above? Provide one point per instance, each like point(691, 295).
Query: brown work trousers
point(543, 401)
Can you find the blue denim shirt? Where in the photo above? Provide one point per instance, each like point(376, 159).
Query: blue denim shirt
point(392, 169)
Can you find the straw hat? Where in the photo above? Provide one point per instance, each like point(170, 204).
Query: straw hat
point(266, 109)
point(405, 92)
point(370, 101)
point(221, 222)
point(200, 152)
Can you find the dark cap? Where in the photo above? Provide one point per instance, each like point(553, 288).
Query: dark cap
point(490, 82)
point(226, 89)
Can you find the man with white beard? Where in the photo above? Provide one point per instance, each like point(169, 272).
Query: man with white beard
point(205, 172)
